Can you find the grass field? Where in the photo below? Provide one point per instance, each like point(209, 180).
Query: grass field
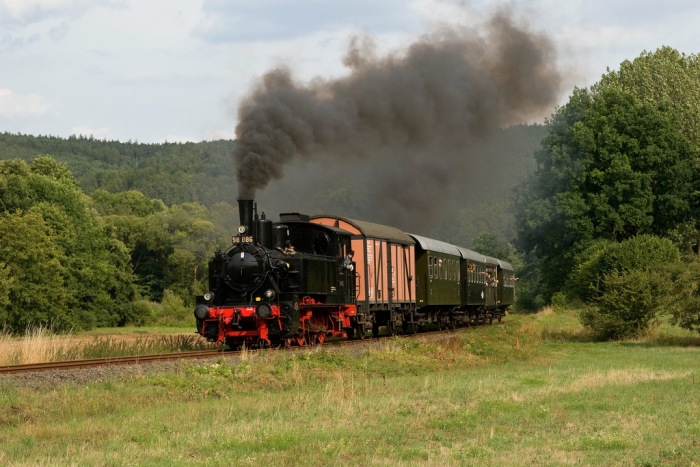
point(533, 391)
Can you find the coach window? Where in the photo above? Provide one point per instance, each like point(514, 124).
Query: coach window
point(430, 267)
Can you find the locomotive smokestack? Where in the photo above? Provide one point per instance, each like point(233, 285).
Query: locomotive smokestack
point(245, 210)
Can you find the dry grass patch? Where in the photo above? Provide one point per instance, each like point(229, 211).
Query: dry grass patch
point(601, 379)
point(40, 345)
point(37, 346)
point(621, 377)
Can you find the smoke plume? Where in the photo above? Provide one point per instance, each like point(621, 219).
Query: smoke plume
point(416, 120)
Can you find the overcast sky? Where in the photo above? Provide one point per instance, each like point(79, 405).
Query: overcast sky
point(175, 70)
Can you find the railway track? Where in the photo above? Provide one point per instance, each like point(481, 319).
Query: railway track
point(96, 362)
point(140, 359)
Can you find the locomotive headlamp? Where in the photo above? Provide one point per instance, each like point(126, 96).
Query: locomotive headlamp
point(242, 229)
point(269, 294)
point(209, 296)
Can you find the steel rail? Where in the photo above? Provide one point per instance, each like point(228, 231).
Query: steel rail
point(107, 361)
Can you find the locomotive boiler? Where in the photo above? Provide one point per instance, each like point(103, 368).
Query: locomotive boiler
point(286, 283)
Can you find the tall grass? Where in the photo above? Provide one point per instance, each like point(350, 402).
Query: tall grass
point(40, 345)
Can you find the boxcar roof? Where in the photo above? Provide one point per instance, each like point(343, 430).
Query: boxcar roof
point(472, 255)
point(372, 230)
point(430, 244)
point(330, 228)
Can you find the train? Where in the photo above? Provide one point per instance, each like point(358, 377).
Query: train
point(305, 279)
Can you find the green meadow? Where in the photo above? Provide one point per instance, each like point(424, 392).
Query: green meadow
point(533, 391)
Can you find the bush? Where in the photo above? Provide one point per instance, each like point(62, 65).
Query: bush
point(685, 309)
point(629, 306)
point(603, 258)
point(140, 313)
point(173, 312)
point(560, 301)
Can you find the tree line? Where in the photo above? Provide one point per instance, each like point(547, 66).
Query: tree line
point(172, 172)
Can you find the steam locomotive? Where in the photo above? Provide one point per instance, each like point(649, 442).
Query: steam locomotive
point(305, 279)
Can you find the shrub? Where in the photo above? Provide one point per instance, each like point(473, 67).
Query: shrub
point(685, 309)
point(140, 313)
point(602, 258)
point(559, 301)
point(173, 312)
point(629, 306)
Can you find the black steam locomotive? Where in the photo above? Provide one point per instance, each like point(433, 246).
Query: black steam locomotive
point(300, 281)
point(284, 283)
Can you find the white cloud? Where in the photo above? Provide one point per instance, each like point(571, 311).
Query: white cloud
point(24, 12)
point(23, 106)
point(271, 20)
point(142, 69)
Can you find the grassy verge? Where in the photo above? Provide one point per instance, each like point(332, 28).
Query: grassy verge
point(534, 391)
point(41, 345)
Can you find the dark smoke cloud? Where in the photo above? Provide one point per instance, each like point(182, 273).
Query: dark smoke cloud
point(415, 121)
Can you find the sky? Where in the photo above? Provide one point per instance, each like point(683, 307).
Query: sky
point(176, 70)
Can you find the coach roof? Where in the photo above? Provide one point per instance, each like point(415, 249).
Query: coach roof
point(471, 255)
point(430, 244)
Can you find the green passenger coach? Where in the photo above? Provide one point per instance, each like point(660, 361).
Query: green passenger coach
point(437, 273)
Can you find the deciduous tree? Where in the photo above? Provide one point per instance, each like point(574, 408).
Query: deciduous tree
point(613, 166)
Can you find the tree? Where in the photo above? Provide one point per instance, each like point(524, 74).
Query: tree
point(169, 247)
point(87, 279)
point(612, 167)
point(6, 285)
point(491, 244)
point(664, 76)
point(36, 292)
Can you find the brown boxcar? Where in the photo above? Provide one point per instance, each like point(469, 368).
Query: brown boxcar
point(385, 267)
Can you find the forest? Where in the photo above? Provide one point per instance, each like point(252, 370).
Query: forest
point(598, 205)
